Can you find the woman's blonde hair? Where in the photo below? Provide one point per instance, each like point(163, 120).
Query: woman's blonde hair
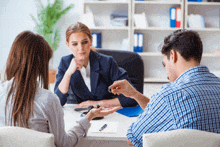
point(78, 27)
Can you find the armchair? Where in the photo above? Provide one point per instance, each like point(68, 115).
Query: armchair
point(182, 138)
point(132, 63)
point(22, 137)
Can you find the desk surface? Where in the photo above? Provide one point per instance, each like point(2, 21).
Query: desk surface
point(71, 116)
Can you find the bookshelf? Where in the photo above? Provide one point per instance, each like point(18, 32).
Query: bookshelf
point(210, 35)
point(157, 15)
point(112, 37)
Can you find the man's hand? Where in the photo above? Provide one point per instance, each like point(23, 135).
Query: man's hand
point(101, 112)
point(123, 87)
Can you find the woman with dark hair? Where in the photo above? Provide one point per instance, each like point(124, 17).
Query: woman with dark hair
point(24, 98)
point(85, 75)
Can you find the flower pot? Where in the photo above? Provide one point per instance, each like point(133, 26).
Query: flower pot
point(52, 76)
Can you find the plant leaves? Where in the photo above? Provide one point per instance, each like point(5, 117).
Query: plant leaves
point(48, 18)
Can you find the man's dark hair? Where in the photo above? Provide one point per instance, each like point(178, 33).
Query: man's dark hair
point(186, 42)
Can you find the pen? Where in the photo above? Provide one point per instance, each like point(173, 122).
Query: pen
point(103, 127)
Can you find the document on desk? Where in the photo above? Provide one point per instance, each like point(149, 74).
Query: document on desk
point(131, 111)
point(112, 127)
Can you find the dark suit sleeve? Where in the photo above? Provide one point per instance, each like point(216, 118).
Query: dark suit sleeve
point(59, 77)
point(118, 73)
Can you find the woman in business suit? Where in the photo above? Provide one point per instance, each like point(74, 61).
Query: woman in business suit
point(85, 75)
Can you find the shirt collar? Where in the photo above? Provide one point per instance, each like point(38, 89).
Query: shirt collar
point(190, 72)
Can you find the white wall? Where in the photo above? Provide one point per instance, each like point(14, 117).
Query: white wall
point(15, 18)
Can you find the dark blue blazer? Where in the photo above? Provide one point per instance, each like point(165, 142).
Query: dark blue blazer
point(103, 72)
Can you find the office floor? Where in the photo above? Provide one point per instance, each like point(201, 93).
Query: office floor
point(149, 88)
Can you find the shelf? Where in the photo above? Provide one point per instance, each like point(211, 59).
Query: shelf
point(110, 28)
point(204, 3)
point(206, 29)
point(159, 80)
point(105, 2)
point(156, 29)
point(157, 2)
point(151, 54)
point(211, 55)
point(157, 14)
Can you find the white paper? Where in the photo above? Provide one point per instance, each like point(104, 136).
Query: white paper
point(112, 127)
point(87, 18)
point(140, 20)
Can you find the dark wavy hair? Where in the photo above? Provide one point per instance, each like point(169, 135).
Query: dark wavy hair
point(187, 42)
point(27, 63)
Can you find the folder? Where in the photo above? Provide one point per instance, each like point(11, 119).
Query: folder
point(96, 41)
point(178, 17)
point(135, 42)
point(172, 17)
point(140, 42)
point(131, 111)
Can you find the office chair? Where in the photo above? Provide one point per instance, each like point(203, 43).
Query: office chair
point(182, 138)
point(132, 63)
point(22, 137)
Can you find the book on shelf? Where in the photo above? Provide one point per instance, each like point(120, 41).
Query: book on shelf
point(138, 42)
point(178, 17)
point(172, 17)
point(175, 17)
point(97, 40)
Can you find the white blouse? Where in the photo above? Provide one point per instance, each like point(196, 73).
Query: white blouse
point(48, 116)
point(85, 72)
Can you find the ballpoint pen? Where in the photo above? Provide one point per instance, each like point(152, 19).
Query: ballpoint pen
point(103, 127)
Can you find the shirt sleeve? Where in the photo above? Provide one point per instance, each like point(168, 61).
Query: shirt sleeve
point(155, 118)
point(56, 125)
point(118, 73)
point(59, 77)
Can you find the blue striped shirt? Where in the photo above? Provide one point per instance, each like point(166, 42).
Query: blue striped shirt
point(191, 101)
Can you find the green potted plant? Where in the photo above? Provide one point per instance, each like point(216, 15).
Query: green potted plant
point(46, 20)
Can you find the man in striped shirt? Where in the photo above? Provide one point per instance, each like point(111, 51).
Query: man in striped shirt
point(192, 98)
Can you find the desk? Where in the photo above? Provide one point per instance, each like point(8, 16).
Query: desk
point(100, 139)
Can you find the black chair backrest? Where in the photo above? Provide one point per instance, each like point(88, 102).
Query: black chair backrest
point(132, 63)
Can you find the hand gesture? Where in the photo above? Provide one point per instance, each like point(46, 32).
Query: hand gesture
point(101, 112)
point(123, 87)
point(75, 64)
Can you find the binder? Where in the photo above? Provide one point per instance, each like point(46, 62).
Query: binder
point(135, 42)
point(96, 40)
point(140, 42)
point(131, 111)
point(172, 17)
point(178, 17)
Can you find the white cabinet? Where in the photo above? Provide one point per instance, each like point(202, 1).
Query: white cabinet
point(210, 35)
point(157, 13)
